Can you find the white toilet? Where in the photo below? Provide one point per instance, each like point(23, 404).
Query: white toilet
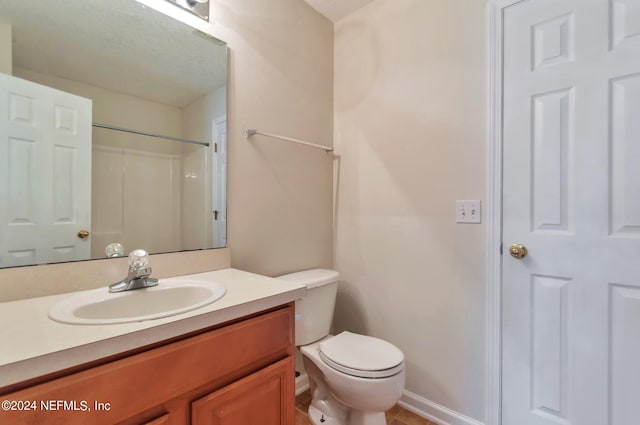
point(354, 378)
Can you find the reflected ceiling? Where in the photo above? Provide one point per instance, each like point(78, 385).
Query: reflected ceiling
point(142, 60)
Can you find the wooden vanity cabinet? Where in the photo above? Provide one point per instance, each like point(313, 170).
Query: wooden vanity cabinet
point(238, 374)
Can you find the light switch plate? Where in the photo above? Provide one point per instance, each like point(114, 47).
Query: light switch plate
point(468, 211)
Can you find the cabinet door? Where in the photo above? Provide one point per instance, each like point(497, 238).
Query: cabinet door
point(265, 397)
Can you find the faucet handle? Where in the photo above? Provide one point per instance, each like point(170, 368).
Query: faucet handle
point(139, 272)
point(142, 272)
point(138, 259)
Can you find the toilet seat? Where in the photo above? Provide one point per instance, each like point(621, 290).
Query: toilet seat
point(361, 356)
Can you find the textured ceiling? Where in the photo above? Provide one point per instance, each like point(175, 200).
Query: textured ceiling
point(118, 45)
point(337, 9)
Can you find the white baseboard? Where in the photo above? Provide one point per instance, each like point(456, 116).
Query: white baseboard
point(302, 383)
point(433, 411)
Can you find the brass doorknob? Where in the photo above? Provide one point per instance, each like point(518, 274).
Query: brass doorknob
point(518, 251)
point(83, 234)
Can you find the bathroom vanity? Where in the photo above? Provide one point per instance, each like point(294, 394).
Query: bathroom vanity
point(227, 363)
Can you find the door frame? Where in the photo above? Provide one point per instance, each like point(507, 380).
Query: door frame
point(215, 170)
point(494, 211)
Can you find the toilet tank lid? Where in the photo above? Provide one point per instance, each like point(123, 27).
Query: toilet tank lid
point(312, 278)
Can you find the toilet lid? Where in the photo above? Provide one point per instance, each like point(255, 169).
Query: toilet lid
point(361, 355)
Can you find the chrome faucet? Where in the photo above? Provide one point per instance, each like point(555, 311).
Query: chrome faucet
point(138, 276)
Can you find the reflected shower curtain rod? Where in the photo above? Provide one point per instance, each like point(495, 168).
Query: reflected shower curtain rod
point(142, 133)
point(250, 132)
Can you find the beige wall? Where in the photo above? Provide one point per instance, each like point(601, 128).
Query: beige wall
point(280, 81)
point(410, 133)
point(6, 49)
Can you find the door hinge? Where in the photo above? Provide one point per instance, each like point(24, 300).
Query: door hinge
point(500, 248)
point(215, 147)
point(215, 214)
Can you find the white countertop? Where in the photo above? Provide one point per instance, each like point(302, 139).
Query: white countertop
point(33, 345)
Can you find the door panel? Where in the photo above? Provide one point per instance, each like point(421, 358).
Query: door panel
point(549, 302)
point(552, 138)
point(625, 156)
point(625, 16)
point(625, 351)
point(45, 159)
point(571, 195)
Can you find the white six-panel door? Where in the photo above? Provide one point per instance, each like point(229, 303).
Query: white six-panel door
point(45, 173)
point(571, 196)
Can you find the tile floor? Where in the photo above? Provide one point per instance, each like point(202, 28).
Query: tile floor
point(395, 416)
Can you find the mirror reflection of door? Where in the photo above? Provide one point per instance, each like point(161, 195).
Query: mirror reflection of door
point(45, 173)
point(219, 184)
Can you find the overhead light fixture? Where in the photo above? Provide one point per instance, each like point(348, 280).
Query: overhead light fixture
point(197, 7)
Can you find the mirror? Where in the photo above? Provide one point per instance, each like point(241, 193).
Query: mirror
point(112, 132)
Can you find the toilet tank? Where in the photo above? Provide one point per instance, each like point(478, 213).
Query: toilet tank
point(314, 312)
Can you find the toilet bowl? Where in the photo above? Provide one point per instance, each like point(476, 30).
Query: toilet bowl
point(367, 391)
point(353, 378)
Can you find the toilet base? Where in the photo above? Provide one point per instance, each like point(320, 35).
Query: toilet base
point(354, 418)
point(318, 418)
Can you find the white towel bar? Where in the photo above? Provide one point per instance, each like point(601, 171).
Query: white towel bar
point(250, 132)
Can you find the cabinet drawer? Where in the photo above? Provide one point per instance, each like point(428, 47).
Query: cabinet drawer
point(136, 384)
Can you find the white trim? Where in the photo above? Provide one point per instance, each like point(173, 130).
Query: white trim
point(215, 190)
point(302, 383)
point(494, 213)
point(434, 411)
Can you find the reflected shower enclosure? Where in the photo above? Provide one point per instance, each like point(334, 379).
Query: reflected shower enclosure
point(137, 185)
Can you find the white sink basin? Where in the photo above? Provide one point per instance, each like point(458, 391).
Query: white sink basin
point(170, 297)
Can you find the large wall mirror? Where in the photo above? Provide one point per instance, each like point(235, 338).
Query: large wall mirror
point(112, 132)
